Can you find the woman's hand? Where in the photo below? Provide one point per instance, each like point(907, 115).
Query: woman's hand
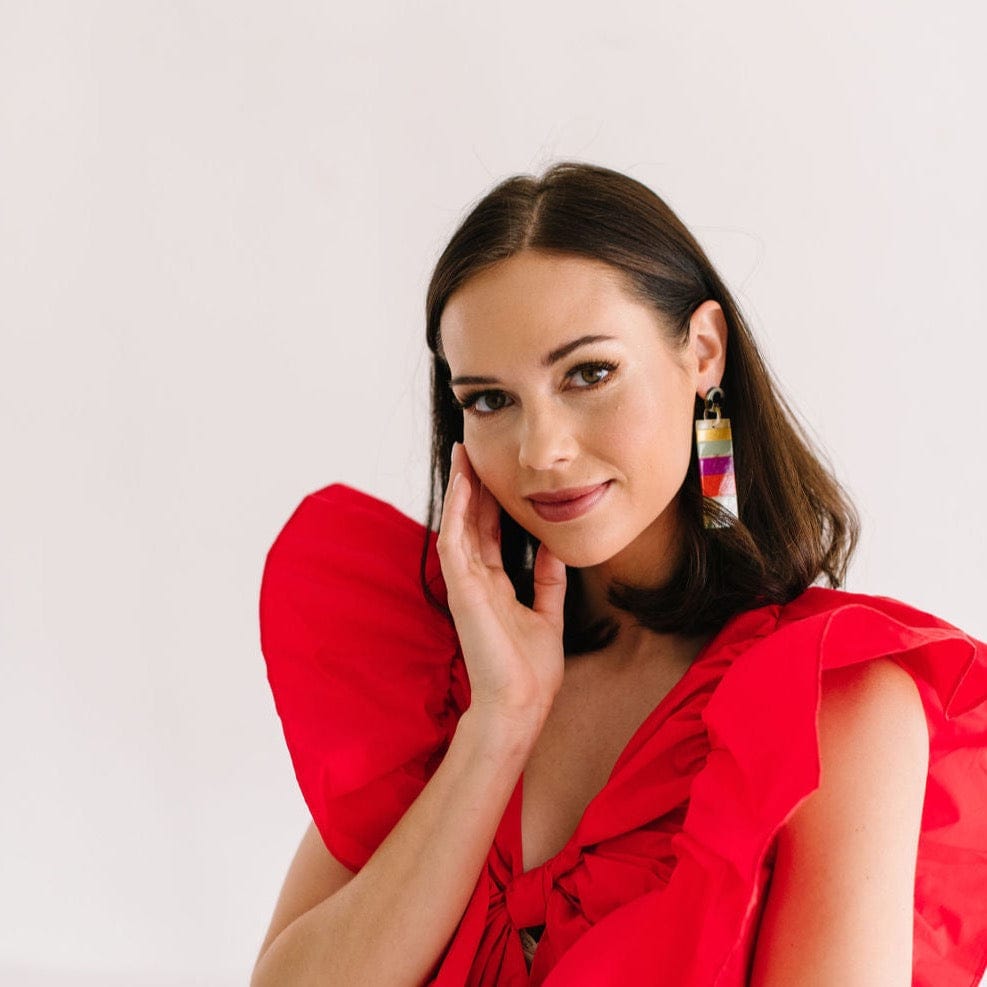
point(513, 653)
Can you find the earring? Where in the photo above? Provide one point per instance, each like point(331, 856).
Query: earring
point(714, 445)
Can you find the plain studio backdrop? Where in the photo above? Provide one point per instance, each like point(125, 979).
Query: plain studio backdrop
point(217, 222)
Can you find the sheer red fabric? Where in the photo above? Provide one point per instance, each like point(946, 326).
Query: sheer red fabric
point(665, 877)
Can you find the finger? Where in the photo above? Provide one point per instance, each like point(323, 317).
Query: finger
point(450, 484)
point(475, 519)
point(452, 534)
point(484, 514)
point(550, 583)
point(488, 529)
point(466, 465)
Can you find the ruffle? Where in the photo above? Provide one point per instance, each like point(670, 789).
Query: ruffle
point(366, 676)
point(369, 684)
point(764, 760)
point(622, 847)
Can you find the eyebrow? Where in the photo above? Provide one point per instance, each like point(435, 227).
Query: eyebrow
point(546, 361)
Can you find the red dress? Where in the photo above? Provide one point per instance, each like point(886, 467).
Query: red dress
point(665, 877)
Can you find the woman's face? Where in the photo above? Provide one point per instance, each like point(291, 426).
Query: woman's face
point(573, 389)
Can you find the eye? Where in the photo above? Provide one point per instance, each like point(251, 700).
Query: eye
point(484, 402)
point(591, 374)
point(583, 377)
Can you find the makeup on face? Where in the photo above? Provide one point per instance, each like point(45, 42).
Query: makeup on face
point(577, 408)
point(567, 505)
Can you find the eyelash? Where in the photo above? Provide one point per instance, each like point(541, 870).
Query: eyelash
point(467, 404)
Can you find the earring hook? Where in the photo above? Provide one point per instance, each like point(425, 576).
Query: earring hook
point(713, 398)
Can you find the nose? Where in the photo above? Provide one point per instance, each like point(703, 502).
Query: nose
point(547, 439)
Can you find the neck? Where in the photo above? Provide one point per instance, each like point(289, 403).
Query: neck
point(649, 561)
point(635, 645)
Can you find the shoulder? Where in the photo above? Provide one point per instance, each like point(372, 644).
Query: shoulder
point(871, 722)
point(868, 700)
point(341, 518)
point(343, 578)
point(842, 629)
point(364, 671)
point(844, 875)
point(842, 613)
point(873, 749)
point(342, 548)
point(852, 724)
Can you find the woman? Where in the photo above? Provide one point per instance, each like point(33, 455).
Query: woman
point(603, 729)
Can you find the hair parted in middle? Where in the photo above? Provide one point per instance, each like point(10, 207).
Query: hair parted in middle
point(797, 524)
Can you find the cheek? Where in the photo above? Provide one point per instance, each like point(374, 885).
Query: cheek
point(486, 457)
point(649, 432)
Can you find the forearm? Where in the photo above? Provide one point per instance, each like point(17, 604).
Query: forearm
point(389, 924)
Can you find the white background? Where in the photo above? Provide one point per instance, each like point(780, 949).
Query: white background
point(217, 221)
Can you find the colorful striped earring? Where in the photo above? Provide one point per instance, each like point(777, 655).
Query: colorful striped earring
point(714, 445)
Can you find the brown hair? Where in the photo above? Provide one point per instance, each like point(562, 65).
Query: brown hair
point(796, 521)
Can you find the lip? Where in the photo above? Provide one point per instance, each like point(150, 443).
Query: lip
point(565, 505)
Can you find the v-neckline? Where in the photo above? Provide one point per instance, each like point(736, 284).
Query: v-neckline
point(658, 713)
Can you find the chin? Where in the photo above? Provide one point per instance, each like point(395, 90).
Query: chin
point(581, 556)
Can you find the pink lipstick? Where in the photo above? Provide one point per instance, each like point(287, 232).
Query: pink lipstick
point(565, 505)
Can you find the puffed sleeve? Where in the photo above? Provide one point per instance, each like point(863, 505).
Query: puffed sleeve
point(762, 726)
point(366, 675)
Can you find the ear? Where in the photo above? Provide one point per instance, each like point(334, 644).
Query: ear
point(708, 345)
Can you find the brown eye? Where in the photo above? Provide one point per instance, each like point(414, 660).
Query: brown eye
point(484, 403)
point(490, 401)
point(591, 374)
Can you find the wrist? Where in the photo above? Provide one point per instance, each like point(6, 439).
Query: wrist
point(506, 734)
